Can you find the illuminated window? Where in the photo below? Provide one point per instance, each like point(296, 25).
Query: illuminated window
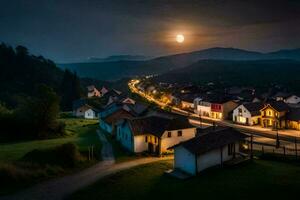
point(169, 134)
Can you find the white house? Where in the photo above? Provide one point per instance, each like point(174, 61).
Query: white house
point(292, 99)
point(91, 113)
point(93, 92)
point(202, 108)
point(207, 150)
point(154, 134)
point(247, 114)
point(86, 111)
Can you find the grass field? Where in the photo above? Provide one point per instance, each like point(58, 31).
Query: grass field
point(253, 180)
point(79, 131)
point(18, 173)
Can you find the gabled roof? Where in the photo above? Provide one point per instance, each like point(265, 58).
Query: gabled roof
point(157, 125)
point(137, 108)
point(118, 115)
point(254, 108)
point(279, 106)
point(212, 140)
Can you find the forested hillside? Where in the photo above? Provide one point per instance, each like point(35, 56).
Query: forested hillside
point(22, 73)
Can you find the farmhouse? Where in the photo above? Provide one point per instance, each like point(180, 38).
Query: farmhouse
point(273, 115)
point(202, 107)
point(206, 150)
point(247, 114)
point(108, 123)
point(154, 134)
point(119, 110)
point(81, 108)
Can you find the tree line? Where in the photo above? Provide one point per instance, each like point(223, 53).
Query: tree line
point(33, 90)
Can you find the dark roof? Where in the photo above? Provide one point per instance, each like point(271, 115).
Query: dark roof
point(157, 125)
point(137, 108)
point(280, 106)
point(282, 94)
point(254, 108)
point(218, 98)
point(294, 114)
point(79, 103)
point(212, 140)
point(118, 115)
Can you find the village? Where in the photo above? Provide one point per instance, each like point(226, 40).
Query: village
point(200, 130)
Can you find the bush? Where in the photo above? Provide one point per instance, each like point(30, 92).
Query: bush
point(66, 155)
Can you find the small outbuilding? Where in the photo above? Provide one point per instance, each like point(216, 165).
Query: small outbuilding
point(208, 149)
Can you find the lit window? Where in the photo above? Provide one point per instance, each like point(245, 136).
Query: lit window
point(169, 134)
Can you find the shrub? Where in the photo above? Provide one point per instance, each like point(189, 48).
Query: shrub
point(66, 155)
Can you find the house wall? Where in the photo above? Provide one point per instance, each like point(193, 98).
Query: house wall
point(140, 144)
point(269, 117)
point(241, 117)
point(293, 125)
point(227, 108)
point(125, 137)
point(90, 114)
point(213, 158)
point(167, 142)
point(186, 104)
point(79, 112)
point(105, 126)
point(202, 108)
point(184, 160)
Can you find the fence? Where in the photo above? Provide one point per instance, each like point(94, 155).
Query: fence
point(270, 145)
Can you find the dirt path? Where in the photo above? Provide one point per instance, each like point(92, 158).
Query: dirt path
point(107, 150)
point(62, 187)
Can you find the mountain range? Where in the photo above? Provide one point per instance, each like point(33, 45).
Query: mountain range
point(118, 67)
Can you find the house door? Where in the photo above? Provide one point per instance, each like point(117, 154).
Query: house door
point(247, 120)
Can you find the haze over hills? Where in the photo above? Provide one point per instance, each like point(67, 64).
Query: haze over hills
point(117, 58)
point(117, 69)
point(228, 73)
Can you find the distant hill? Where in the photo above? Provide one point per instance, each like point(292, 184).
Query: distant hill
point(112, 70)
point(117, 58)
point(257, 73)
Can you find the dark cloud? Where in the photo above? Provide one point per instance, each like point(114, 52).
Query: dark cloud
point(67, 30)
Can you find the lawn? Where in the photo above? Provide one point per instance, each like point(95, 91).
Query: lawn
point(79, 131)
point(253, 180)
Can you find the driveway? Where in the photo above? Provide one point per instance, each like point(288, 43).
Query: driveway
point(62, 187)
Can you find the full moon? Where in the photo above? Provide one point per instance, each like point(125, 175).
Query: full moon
point(179, 38)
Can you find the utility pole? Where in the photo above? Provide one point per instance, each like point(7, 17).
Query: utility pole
point(277, 139)
point(251, 147)
point(296, 150)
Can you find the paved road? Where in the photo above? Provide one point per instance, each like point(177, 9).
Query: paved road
point(62, 187)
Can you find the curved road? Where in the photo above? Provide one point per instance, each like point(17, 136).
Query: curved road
point(62, 187)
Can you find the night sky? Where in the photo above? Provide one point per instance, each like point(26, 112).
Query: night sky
point(68, 31)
